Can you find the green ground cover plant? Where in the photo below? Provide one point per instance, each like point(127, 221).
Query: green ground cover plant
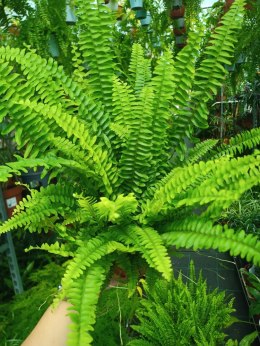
point(127, 187)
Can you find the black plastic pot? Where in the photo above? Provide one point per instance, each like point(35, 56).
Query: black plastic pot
point(33, 178)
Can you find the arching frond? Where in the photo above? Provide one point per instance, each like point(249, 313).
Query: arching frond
point(139, 68)
point(199, 233)
point(84, 296)
point(96, 49)
point(136, 156)
point(56, 248)
point(211, 72)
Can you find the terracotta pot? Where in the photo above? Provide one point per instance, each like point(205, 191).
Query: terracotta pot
point(12, 197)
point(177, 12)
point(229, 2)
point(179, 32)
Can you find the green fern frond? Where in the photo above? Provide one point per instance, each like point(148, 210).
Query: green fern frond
point(223, 186)
point(136, 156)
point(84, 296)
point(200, 150)
point(211, 72)
point(183, 77)
point(123, 101)
point(239, 143)
point(139, 68)
point(43, 210)
point(118, 211)
point(52, 86)
point(88, 253)
point(56, 248)
point(79, 72)
point(199, 233)
point(22, 165)
point(163, 86)
point(202, 183)
point(175, 183)
point(99, 56)
point(55, 194)
point(86, 203)
point(76, 129)
point(149, 243)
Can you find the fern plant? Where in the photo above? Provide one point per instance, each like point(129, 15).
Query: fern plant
point(182, 313)
point(126, 190)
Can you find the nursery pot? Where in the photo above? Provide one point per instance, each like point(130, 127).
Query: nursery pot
point(147, 20)
point(136, 4)
point(140, 14)
point(241, 59)
point(179, 26)
point(180, 41)
point(53, 47)
point(179, 23)
point(33, 178)
point(70, 16)
point(12, 197)
point(177, 12)
point(230, 68)
point(176, 3)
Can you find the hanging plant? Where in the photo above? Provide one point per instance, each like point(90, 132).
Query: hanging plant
point(136, 4)
point(70, 16)
point(179, 26)
point(140, 14)
point(147, 20)
point(177, 12)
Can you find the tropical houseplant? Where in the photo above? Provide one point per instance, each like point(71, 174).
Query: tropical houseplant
point(127, 186)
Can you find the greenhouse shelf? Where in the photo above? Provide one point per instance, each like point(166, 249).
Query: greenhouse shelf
point(7, 247)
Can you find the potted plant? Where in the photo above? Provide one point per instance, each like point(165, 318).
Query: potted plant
point(179, 27)
point(177, 3)
point(128, 188)
point(147, 20)
point(251, 281)
point(70, 15)
point(136, 4)
point(181, 40)
point(181, 310)
point(177, 12)
point(140, 14)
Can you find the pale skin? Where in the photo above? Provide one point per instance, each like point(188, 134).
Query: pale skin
point(52, 329)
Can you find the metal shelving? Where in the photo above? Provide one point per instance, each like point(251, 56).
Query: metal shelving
point(7, 248)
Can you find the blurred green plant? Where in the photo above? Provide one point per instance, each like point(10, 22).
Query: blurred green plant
point(245, 213)
point(19, 316)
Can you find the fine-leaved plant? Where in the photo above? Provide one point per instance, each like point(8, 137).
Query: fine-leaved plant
point(182, 313)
